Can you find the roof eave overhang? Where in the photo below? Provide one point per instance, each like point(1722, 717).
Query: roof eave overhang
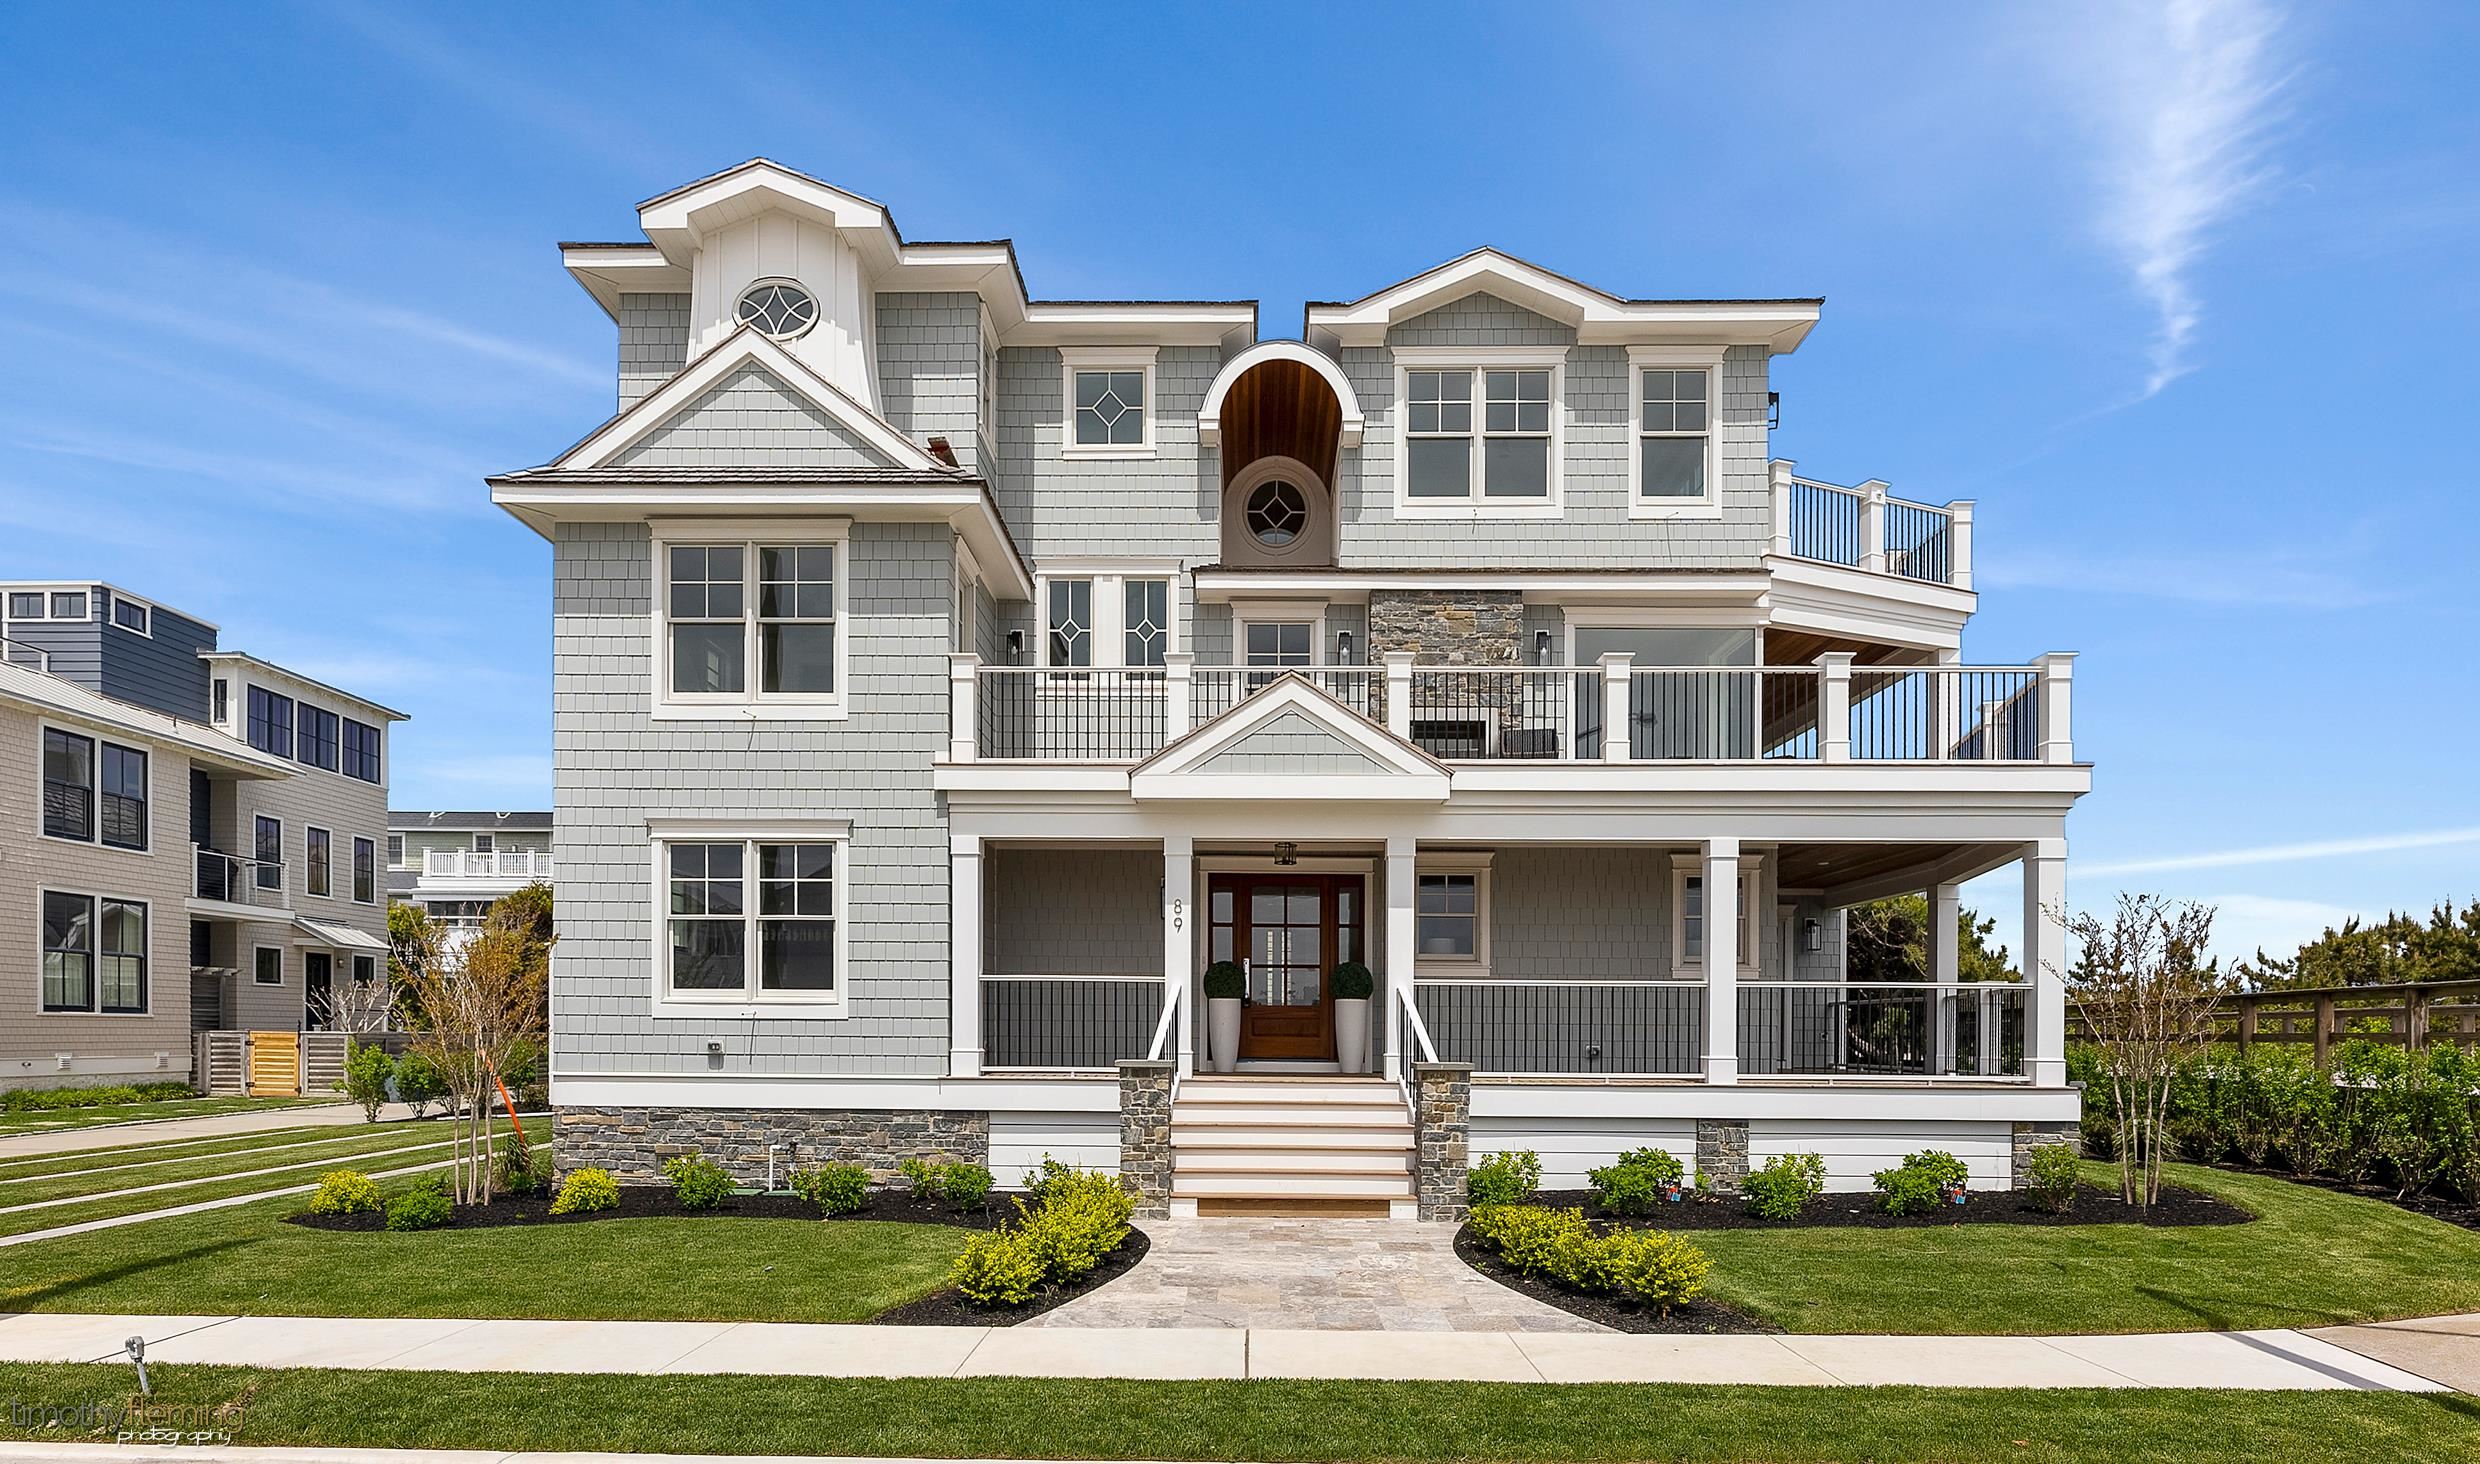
point(1599, 318)
point(1551, 587)
point(608, 271)
point(1133, 322)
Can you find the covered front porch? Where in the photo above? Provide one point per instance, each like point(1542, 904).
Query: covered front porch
point(1531, 960)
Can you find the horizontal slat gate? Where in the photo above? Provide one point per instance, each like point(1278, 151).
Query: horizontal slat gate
point(275, 1064)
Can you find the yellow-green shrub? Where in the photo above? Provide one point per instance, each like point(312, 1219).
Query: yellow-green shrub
point(1082, 1218)
point(586, 1190)
point(1651, 1267)
point(346, 1192)
point(1529, 1237)
point(998, 1268)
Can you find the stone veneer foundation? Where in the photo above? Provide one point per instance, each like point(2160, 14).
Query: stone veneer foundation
point(1145, 1133)
point(633, 1142)
point(1449, 627)
point(1722, 1153)
point(1442, 1137)
point(2030, 1138)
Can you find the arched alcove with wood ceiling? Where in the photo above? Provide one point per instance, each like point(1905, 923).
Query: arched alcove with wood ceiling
point(1280, 413)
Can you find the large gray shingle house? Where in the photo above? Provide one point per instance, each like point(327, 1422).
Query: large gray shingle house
point(945, 678)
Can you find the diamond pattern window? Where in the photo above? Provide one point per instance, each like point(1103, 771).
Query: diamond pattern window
point(779, 308)
point(1110, 408)
point(1277, 514)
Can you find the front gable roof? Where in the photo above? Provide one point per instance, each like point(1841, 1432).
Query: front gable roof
point(1294, 736)
point(752, 418)
point(1597, 315)
point(661, 409)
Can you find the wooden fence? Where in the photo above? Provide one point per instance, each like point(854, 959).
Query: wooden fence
point(278, 1064)
point(2411, 1014)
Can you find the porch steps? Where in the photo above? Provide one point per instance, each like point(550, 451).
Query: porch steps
point(1268, 1140)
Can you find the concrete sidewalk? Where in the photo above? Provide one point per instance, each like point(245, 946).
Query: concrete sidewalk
point(173, 1130)
point(2280, 1359)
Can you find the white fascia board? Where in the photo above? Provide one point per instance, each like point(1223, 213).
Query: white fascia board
point(1854, 604)
point(1099, 1094)
point(1134, 323)
point(298, 682)
point(1214, 587)
point(986, 270)
point(746, 345)
point(1770, 1099)
point(1599, 318)
point(679, 221)
point(1029, 777)
point(608, 273)
point(65, 701)
point(1210, 415)
point(1297, 788)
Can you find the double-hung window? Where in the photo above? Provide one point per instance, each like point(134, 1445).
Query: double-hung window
point(1120, 619)
point(754, 920)
point(68, 786)
point(269, 848)
point(365, 871)
point(1451, 913)
point(94, 954)
point(121, 799)
point(1480, 438)
point(359, 753)
point(316, 743)
point(318, 854)
point(752, 623)
point(1672, 465)
point(271, 722)
point(1108, 396)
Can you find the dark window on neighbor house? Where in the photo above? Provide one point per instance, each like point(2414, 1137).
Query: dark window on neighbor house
point(68, 785)
point(366, 871)
point(124, 797)
point(317, 743)
point(270, 850)
point(267, 966)
point(361, 751)
point(129, 615)
point(69, 606)
point(201, 943)
point(223, 701)
point(485, 843)
point(68, 952)
point(23, 606)
point(121, 958)
point(271, 722)
point(317, 852)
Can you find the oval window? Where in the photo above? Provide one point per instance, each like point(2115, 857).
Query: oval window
point(1277, 514)
point(780, 308)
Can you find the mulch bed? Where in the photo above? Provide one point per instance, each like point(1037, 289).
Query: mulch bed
point(2436, 1207)
point(638, 1202)
point(2093, 1206)
point(950, 1309)
point(1704, 1316)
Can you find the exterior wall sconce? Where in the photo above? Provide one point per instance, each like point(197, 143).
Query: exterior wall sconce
point(1287, 853)
point(1812, 935)
point(1541, 648)
point(1343, 648)
point(1016, 647)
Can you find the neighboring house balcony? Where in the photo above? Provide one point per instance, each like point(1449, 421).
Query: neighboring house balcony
point(465, 873)
point(18, 653)
point(1553, 720)
point(230, 887)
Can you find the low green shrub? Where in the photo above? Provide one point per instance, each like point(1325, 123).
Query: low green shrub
point(520, 1172)
point(997, 1268)
point(1352, 981)
point(586, 1190)
point(697, 1182)
point(1649, 1267)
point(367, 1069)
point(47, 1100)
point(1079, 1220)
point(955, 1185)
point(1510, 1178)
point(1922, 1183)
point(346, 1192)
point(1641, 1179)
point(1529, 1237)
point(836, 1189)
point(2055, 1173)
point(1225, 981)
point(423, 1207)
point(419, 1083)
point(1784, 1186)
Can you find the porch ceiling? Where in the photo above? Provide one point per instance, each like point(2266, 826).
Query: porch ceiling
point(1849, 873)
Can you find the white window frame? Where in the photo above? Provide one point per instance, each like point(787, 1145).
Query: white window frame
point(255, 979)
point(1450, 967)
point(43, 592)
point(1281, 612)
point(1675, 358)
point(1479, 359)
point(146, 616)
point(1685, 867)
point(749, 1001)
point(396, 851)
point(1110, 608)
point(311, 881)
point(750, 704)
point(1073, 359)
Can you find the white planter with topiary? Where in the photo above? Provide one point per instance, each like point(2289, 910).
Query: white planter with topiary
point(1352, 986)
point(1225, 983)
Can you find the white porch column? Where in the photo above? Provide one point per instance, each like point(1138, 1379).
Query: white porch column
point(2057, 685)
point(964, 956)
point(1180, 942)
point(1618, 674)
point(1959, 543)
point(962, 669)
point(1873, 525)
point(1402, 852)
point(1398, 693)
point(2045, 961)
point(1834, 707)
point(1721, 877)
point(1946, 969)
point(1179, 672)
point(1778, 476)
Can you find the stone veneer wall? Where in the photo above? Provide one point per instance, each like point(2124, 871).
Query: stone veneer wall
point(633, 1142)
point(1442, 1137)
point(1145, 1133)
point(2030, 1138)
point(1449, 627)
point(1722, 1153)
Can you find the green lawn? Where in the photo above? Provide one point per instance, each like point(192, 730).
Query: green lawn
point(332, 1150)
point(2311, 1258)
point(246, 1259)
point(34, 1121)
point(1272, 1420)
point(142, 1146)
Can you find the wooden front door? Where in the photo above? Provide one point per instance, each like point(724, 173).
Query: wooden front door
point(1288, 930)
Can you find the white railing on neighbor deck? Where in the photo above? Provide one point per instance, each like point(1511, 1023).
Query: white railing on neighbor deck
point(32, 658)
point(1865, 528)
point(1829, 712)
point(496, 864)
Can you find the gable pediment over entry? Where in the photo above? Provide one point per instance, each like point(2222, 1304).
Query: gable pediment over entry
point(1291, 741)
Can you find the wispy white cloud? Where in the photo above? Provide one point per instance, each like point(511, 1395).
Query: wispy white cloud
point(2284, 853)
point(2184, 96)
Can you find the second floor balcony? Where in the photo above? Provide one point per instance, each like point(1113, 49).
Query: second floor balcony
point(520, 865)
point(224, 879)
point(1614, 712)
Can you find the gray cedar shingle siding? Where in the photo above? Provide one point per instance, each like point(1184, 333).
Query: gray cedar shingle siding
point(1157, 507)
point(614, 768)
point(929, 368)
point(1292, 746)
point(750, 419)
point(1073, 912)
point(654, 342)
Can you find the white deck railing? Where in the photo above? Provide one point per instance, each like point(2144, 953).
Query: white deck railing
point(1829, 712)
point(1865, 528)
point(496, 864)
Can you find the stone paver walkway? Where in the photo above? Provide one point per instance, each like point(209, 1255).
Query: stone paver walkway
point(2256, 1360)
point(1313, 1275)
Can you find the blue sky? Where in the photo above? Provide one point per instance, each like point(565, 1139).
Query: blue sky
point(2178, 294)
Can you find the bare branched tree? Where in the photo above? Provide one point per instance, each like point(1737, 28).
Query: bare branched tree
point(475, 1009)
point(364, 1006)
point(2148, 995)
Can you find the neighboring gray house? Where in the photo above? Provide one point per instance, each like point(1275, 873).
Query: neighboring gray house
point(944, 678)
point(454, 864)
point(192, 845)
